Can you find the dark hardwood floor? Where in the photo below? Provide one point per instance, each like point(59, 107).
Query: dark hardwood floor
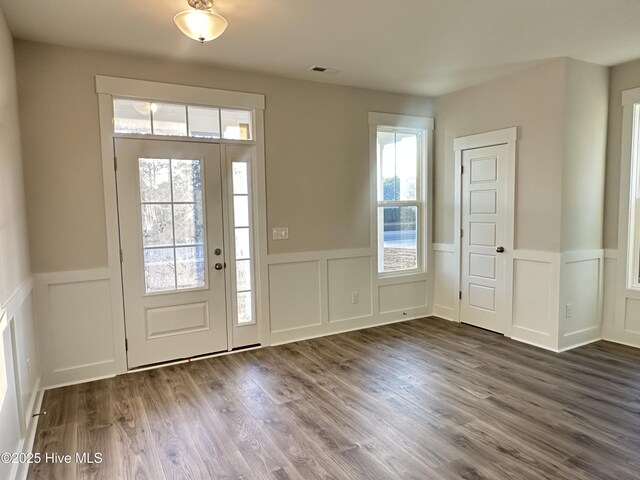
point(424, 399)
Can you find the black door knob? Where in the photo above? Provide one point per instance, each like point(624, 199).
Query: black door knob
point(218, 266)
point(500, 249)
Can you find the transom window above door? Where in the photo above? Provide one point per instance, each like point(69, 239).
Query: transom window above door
point(142, 117)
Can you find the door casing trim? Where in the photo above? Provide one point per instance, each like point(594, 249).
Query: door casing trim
point(505, 136)
point(106, 88)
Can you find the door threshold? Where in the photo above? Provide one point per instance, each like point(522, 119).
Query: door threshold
point(204, 356)
point(246, 347)
point(481, 328)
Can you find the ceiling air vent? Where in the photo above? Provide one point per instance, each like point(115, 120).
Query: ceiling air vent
point(321, 69)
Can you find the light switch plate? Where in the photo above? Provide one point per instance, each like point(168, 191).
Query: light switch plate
point(281, 233)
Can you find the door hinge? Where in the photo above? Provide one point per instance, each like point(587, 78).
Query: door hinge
point(461, 169)
point(460, 295)
point(461, 233)
point(121, 256)
point(115, 163)
point(126, 344)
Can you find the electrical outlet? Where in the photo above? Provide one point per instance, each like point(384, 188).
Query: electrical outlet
point(281, 233)
point(568, 311)
point(355, 297)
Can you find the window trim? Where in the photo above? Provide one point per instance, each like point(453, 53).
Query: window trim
point(633, 196)
point(109, 87)
point(423, 126)
point(171, 93)
point(418, 203)
point(232, 240)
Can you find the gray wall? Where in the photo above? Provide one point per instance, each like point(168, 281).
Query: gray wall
point(560, 108)
point(533, 100)
point(583, 169)
point(317, 151)
point(17, 334)
point(14, 258)
point(623, 77)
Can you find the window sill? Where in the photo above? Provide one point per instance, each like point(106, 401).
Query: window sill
point(633, 292)
point(392, 279)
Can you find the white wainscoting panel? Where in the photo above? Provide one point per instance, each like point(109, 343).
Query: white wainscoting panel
point(632, 316)
point(581, 298)
point(445, 295)
point(295, 296)
point(80, 314)
point(621, 317)
point(20, 378)
point(74, 311)
point(609, 297)
point(25, 344)
point(347, 277)
point(542, 284)
point(9, 413)
point(402, 296)
point(311, 293)
point(536, 286)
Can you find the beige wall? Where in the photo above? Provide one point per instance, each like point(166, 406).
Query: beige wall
point(14, 257)
point(533, 100)
point(583, 168)
point(623, 77)
point(317, 151)
point(560, 108)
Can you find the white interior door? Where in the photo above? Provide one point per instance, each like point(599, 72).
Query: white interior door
point(484, 208)
point(170, 203)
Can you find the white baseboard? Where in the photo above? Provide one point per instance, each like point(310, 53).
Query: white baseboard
point(310, 335)
point(579, 338)
point(534, 343)
point(446, 313)
point(26, 445)
point(581, 344)
point(530, 337)
point(611, 337)
point(79, 374)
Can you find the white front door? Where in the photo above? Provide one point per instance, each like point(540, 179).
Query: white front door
point(170, 203)
point(484, 208)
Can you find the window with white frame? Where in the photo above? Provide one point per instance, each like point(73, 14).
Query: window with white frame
point(634, 203)
point(243, 232)
point(143, 117)
point(400, 197)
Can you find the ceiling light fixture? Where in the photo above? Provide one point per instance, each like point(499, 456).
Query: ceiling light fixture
point(201, 23)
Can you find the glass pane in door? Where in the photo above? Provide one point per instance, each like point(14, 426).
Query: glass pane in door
point(172, 224)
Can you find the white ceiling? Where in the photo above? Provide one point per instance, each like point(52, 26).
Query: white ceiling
point(426, 47)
